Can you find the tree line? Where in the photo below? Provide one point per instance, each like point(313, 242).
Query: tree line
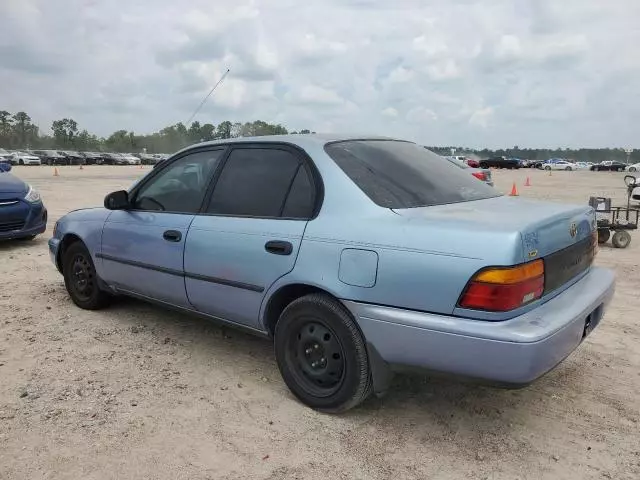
point(17, 131)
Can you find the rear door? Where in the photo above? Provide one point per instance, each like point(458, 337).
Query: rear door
point(143, 247)
point(250, 231)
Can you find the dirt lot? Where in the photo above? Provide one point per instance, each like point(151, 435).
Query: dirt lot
point(137, 392)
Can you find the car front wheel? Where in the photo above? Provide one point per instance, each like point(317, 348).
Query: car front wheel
point(81, 279)
point(322, 355)
point(547, 167)
point(632, 169)
point(568, 169)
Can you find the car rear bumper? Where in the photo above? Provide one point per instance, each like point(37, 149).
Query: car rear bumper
point(515, 351)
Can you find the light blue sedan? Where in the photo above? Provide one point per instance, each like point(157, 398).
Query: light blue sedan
point(358, 256)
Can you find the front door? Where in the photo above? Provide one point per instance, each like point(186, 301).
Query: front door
point(143, 246)
point(250, 232)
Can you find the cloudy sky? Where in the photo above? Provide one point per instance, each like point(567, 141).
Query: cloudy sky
point(440, 72)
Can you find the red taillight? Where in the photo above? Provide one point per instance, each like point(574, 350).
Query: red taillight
point(502, 289)
point(480, 176)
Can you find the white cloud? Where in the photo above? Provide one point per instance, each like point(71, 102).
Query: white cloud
point(421, 115)
point(390, 112)
point(523, 68)
point(481, 117)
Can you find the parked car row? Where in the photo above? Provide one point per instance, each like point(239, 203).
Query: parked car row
point(68, 157)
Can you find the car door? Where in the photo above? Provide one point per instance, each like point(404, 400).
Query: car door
point(250, 231)
point(143, 246)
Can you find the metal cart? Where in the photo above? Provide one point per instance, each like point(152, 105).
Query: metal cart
point(619, 220)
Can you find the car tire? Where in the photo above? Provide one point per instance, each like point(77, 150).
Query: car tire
point(547, 167)
point(568, 169)
point(632, 169)
point(322, 355)
point(81, 279)
point(484, 165)
point(621, 239)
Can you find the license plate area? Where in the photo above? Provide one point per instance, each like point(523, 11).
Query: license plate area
point(592, 321)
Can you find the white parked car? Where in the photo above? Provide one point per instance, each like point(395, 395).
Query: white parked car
point(128, 159)
point(22, 158)
point(560, 165)
point(633, 168)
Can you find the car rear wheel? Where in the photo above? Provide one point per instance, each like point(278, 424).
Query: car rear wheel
point(547, 167)
point(621, 239)
point(81, 279)
point(322, 355)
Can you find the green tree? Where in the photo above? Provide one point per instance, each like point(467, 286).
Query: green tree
point(64, 132)
point(224, 130)
point(6, 129)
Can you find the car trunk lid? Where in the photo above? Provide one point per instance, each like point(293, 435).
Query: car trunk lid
point(560, 234)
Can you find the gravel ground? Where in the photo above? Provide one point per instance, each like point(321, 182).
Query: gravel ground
point(134, 392)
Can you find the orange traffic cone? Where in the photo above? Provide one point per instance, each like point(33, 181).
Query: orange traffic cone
point(527, 183)
point(514, 191)
point(55, 172)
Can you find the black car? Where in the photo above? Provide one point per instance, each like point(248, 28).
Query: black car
point(73, 158)
point(500, 162)
point(93, 158)
point(51, 157)
point(609, 166)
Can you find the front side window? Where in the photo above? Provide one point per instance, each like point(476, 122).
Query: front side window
point(256, 182)
point(181, 187)
point(396, 174)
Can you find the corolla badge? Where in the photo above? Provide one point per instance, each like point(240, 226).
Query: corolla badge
point(573, 230)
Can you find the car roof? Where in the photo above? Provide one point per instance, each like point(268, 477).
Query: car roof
point(303, 140)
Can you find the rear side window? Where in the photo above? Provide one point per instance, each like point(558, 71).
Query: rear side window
point(256, 182)
point(396, 174)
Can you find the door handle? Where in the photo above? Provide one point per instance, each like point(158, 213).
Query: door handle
point(278, 247)
point(172, 236)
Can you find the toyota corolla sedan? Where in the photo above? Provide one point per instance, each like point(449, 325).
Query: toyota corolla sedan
point(22, 213)
point(357, 256)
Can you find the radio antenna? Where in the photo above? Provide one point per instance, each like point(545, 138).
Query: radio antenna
point(206, 98)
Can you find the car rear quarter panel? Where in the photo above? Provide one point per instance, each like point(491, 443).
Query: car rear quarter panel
point(391, 262)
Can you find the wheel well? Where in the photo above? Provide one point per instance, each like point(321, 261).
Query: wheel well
point(282, 298)
point(68, 240)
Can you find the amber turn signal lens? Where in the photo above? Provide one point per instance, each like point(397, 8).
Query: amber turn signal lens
point(511, 275)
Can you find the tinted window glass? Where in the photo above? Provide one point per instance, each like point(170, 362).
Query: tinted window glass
point(254, 182)
point(396, 174)
point(300, 200)
point(181, 186)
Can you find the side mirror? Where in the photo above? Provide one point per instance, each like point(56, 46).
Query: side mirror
point(117, 200)
point(629, 180)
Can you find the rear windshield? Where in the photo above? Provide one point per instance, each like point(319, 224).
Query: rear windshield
point(396, 174)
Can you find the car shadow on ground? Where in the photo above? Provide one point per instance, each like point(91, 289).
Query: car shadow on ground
point(412, 398)
point(21, 245)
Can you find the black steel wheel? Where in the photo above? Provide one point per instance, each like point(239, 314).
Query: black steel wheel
point(81, 280)
point(603, 235)
point(621, 239)
point(322, 355)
